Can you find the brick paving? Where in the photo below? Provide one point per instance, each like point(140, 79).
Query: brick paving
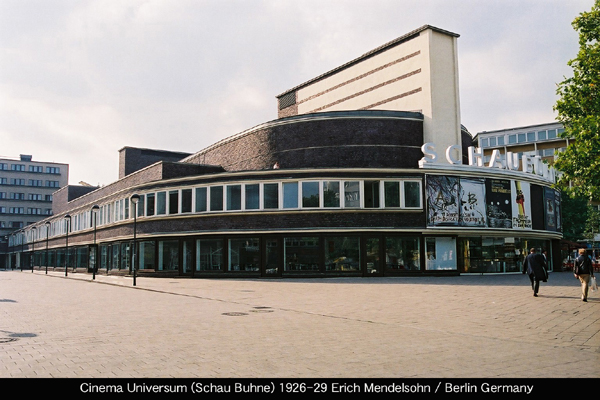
point(413, 327)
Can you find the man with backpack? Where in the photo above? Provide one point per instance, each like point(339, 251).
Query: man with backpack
point(583, 271)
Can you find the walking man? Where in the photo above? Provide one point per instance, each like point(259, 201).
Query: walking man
point(535, 267)
point(583, 271)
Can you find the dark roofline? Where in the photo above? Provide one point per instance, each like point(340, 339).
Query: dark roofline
point(378, 50)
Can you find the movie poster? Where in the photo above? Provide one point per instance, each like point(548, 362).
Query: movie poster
point(472, 202)
point(557, 210)
point(521, 205)
point(549, 209)
point(442, 200)
point(498, 199)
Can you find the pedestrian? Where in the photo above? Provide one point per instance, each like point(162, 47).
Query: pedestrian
point(535, 267)
point(583, 270)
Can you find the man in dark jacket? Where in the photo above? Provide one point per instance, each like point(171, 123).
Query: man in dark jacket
point(583, 270)
point(535, 267)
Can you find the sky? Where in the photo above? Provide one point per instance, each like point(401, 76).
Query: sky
point(81, 79)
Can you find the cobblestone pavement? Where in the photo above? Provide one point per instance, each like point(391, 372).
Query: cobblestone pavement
point(414, 327)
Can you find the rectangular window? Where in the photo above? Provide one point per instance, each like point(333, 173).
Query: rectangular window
point(441, 253)
point(301, 254)
point(331, 194)
point(52, 170)
point(18, 167)
point(371, 194)
point(512, 139)
point(244, 254)
point(186, 200)
point(552, 134)
point(392, 194)
point(216, 198)
point(542, 135)
point(342, 254)
point(209, 255)
point(520, 138)
point(201, 199)
point(147, 255)
point(140, 207)
point(500, 140)
point(412, 194)
point(150, 206)
point(252, 196)
point(234, 197)
point(352, 194)
point(168, 255)
point(531, 136)
point(270, 196)
point(290, 195)
point(161, 203)
point(402, 254)
point(35, 168)
point(310, 194)
point(174, 202)
point(484, 142)
point(492, 142)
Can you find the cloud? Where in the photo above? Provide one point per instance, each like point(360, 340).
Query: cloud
point(81, 79)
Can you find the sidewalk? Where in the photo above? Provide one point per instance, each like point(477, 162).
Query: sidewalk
point(415, 327)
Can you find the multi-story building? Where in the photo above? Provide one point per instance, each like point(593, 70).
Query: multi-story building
point(541, 140)
point(363, 174)
point(26, 190)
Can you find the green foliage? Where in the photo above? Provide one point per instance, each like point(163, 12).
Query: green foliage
point(579, 111)
point(574, 216)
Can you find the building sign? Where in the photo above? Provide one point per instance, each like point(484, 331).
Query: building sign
point(509, 161)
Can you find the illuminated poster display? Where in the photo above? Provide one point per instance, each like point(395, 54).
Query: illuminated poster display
point(552, 209)
point(557, 210)
point(442, 200)
point(472, 202)
point(521, 205)
point(499, 207)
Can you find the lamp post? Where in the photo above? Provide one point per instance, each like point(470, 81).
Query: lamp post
point(134, 200)
point(47, 234)
point(68, 225)
point(95, 209)
point(33, 235)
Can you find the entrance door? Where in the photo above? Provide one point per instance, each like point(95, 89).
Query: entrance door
point(372, 251)
point(272, 267)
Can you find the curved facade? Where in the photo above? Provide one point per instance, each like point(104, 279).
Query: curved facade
point(348, 198)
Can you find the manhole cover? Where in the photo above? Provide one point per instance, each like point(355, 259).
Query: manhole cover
point(234, 314)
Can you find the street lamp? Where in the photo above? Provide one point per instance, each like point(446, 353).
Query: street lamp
point(68, 225)
point(47, 234)
point(134, 200)
point(95, 209)
point(33, 235)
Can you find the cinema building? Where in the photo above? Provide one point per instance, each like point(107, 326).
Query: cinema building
point(367, 171)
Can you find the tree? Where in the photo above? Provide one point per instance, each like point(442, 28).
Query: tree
point(579, 111)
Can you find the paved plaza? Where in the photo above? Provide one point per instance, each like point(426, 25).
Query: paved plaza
point(413, 327)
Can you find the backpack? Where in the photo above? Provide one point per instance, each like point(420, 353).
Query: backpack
point(582, 265)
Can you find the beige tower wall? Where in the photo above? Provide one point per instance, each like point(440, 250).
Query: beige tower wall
point(416, 72)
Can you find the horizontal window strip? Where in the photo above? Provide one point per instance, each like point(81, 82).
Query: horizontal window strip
point(369, 90)
point(360, 77)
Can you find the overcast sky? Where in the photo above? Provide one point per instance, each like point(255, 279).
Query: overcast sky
point(80, 79)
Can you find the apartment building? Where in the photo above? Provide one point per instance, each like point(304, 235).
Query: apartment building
point(26, 189)
point(541, 140)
